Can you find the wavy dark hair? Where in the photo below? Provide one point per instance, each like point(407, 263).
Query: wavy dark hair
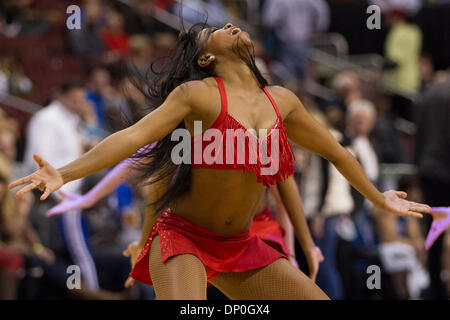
point(179, 67)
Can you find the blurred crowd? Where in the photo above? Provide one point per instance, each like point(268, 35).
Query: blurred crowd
point(402, 143)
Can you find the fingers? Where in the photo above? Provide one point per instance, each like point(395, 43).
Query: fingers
point(26, 189)
point(126, 253)
point(41, 162)
point(19, 182)
point(417, 207)
point(414, 214)
point(129, 282)
point(46, 194)
point(401, 194)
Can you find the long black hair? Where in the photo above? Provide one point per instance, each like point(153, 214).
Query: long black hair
point(179, 67)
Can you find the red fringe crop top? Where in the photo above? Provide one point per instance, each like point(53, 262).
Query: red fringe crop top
point(227, 144)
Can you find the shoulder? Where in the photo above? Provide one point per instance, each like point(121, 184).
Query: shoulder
point(194, 87)
point(194, 90)
point(45, 115)
point(198, 94)
point(285, 99)
point(283, 93)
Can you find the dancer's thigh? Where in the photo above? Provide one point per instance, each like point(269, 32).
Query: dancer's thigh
point(278, 281)
point(181, 277)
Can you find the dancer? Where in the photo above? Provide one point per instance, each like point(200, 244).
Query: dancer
point(264, 223)
point(441, 221)
point(203, 233)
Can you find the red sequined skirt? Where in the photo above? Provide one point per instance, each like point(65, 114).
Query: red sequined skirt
point(267, 228)
point(218, 253)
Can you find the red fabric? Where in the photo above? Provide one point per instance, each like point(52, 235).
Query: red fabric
point(218, 253)
point(10, 260)
point(164, 4)
point(267, 228)
point(248, 145)
point(117, 42)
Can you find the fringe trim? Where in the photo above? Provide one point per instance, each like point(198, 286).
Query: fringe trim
point(252, 162)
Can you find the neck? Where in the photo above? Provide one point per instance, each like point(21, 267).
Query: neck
point(237, 74)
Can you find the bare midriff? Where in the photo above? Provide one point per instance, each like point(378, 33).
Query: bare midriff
point(221, 201)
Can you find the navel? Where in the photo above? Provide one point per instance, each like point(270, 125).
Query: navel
point(229, 220)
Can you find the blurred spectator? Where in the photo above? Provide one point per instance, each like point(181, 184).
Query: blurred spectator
point(19, 18)
point(433, 161)
point(384, 136)
point(426, 71)
point(7, 123)
point(12, 78)
point(211, 11)
point(328, 203)
point(361, 118)
point(54, 134)
point(29, 260)
point(294, 21)
point(86, 42)
point(8, 149)
point(348, 88)
point(141, 48)
point(402, 247)
point(104, 222)
point(142, 20)
point(11, 263)
point(408, 6)
point(103, 95)
point(114, 37)
point(347, 85)
point(403, 48)
point(357, 246)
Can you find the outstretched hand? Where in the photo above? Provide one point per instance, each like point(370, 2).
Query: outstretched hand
point(46, 179)
point(394, 202)
point(71, 201)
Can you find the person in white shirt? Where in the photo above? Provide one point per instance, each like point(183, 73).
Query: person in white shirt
point(54, 134)
point(361, 116)
point(328, 204)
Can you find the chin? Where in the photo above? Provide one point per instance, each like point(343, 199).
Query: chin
point(245, 37)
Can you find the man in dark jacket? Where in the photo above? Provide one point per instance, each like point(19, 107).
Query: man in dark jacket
point(433, 161)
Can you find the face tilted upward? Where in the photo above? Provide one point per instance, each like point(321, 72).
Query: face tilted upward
point(224, 41)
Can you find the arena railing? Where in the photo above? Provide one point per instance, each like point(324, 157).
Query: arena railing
point(19, 104)
point(339, 60)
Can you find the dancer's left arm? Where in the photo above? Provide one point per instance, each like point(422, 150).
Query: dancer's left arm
point(303, 130)
point(293, 204)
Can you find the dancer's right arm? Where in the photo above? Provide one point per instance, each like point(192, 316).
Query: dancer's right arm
point(121, 173)
point(117, 146)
